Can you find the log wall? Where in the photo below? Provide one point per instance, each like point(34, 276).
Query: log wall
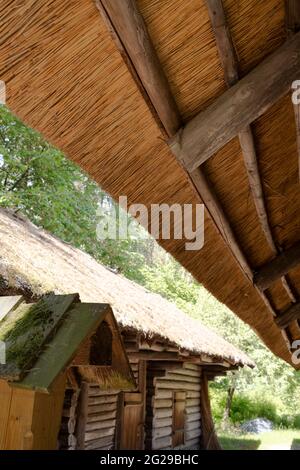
point(160, 412)
point(101, 413)
point(100, 429)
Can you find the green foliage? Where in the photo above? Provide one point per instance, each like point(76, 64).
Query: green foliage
point(245, 408)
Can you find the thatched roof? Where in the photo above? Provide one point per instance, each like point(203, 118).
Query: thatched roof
point(66, 77)
point(44, 338)
point(35, 260)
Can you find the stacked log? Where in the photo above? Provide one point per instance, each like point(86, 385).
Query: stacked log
point(160, 388)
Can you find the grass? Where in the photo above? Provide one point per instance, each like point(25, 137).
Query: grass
point(274, 440)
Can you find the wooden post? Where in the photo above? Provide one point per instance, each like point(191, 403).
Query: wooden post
point(30, 420)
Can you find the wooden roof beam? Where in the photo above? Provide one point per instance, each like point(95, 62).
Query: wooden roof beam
point(129, 26)
point(231, 74)
point(278, 267)
point(233, 111)
point(229, 62)
point(224, 42)
point(212, 372)
point(150, 67)
point(292, 8)
point(290, 315)
point(218, 215)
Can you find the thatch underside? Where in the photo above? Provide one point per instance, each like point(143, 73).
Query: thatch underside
point(66, 78)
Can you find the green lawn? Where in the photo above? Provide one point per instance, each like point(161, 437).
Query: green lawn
point(275, 440)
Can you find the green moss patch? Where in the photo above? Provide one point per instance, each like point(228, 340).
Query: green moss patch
point(26, 330)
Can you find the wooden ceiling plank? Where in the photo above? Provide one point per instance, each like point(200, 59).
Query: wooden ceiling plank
point(233, 111)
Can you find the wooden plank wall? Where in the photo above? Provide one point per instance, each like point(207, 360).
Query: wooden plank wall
point(100, 428)
point(160, 407)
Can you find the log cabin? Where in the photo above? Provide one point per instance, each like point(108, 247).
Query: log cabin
point(179, 102)
point(172, 356)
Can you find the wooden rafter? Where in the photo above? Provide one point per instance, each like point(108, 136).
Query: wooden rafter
point(239, 106)
point(218, 215)
point(249, 153)
point(292, 8)
point(221, 222)
point(229, 62)
point(126, 34)
point(278, 267)
point(290, 315)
